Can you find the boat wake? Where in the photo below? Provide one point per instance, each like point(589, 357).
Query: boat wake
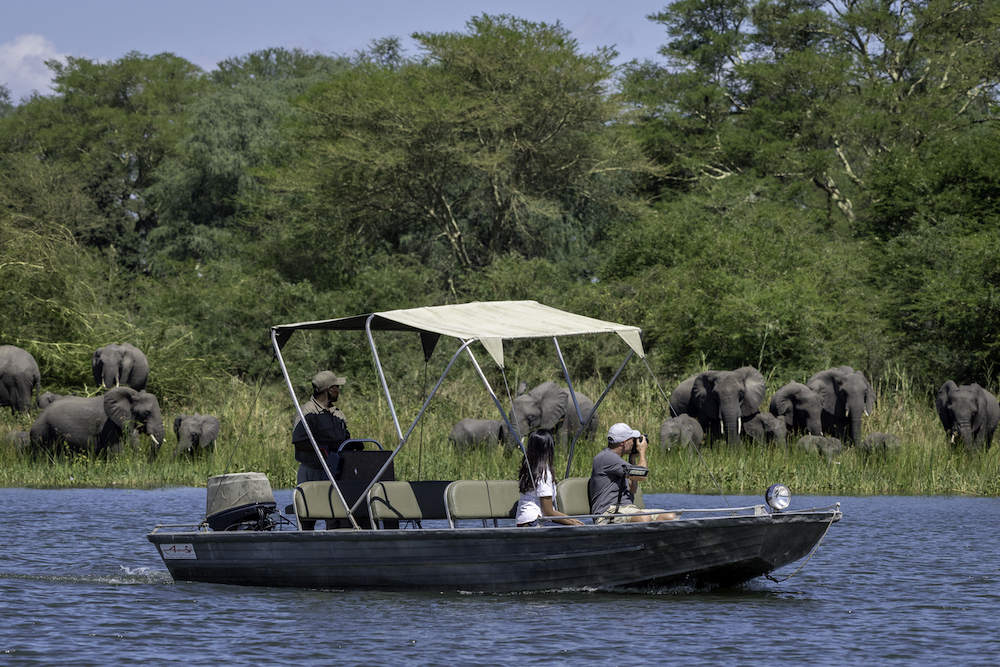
point(127, 576)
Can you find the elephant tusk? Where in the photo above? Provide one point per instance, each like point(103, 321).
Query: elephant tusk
point(155, 441)
point(739, 424)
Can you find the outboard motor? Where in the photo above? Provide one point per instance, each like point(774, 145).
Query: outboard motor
point(240, 501)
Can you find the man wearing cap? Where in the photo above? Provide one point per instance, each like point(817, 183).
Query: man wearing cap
point(327, 424)
point(614, 481)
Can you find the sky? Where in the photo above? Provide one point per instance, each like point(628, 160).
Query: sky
point(206, 32)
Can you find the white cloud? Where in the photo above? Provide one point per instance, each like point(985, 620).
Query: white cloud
point(22, 65)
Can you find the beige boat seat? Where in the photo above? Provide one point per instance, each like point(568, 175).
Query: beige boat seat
point(573, 496)
point(319, 500)
point(408, 501)
point(482, 499)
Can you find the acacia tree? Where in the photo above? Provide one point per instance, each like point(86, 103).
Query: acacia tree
point(234, 133)
point(113, 123)
point(815, 92)
point(483, 143)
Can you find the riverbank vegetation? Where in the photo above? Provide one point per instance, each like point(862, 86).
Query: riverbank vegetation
point(256, 437)
point(792, 188)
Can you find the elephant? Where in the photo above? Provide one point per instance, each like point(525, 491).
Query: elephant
point(99, 423)
point(471, 432)
point(19, 378)
point(765, 427)
point(879, 443)
point(48, 398)
point(820, 444)
point(549, 406)
point(683, 430)
point(847, 397)
point(969, 413)
point(195, 432)
point(720, 400)
point(117, 365)
point(800, 407)
point(16, 439)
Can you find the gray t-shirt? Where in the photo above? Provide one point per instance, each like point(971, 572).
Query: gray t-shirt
point(607, 481)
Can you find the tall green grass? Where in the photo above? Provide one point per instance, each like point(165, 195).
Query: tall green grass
point(257, 429)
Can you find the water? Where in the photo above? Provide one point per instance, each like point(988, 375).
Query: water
point(899, 581)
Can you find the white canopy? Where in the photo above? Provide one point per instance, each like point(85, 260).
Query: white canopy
point(488, 322)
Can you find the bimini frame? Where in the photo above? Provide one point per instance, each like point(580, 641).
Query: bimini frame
point(489, 323)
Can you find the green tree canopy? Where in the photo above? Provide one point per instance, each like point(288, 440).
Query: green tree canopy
point(114, 123)
point(814, 92)
point(494, 141)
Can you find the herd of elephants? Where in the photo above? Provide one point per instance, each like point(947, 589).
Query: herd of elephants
point(823, 414)
point(104, 422)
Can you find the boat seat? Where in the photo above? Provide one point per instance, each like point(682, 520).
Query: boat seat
point(573, 496)
point(482, 499)
point(408, 501)
point(319, 500)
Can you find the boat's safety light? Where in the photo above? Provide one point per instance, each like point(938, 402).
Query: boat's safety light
point(778, 496)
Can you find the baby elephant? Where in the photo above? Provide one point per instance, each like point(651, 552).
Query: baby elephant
point(682, 430)
point(195, 432)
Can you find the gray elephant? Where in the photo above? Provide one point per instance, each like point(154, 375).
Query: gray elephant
point(879, 444)
point(683, 431)
point(968, 413)
point(98, 423)
point(195, 432)
point(800, 407)
point(472, 432)
point(122, 365)
point(823, 445)
point(847, 397)
point(16, 439)
point(48, 398)
point(764, 427)
point(549, 406)
point(19, 378)
point(720, 400)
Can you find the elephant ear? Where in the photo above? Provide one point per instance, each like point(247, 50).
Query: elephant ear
point(982, 397)
point(680, 399)
point(552, 399)
point(138, 367)
point(210, 426)
point(783, 402)
point(177, 424)
point(941, 403)
point(822, 384)
point(118, 405)
point(754, 389)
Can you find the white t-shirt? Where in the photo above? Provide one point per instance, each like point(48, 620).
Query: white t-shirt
point(529, 507)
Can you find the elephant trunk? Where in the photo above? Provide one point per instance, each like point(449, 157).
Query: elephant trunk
point(853, 414)
point(731, 423)
point(967, 436)
point(154, 428)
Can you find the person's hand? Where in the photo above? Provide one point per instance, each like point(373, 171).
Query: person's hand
point(641, 444)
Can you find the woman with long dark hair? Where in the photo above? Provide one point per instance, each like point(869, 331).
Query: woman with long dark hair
point(537, 481)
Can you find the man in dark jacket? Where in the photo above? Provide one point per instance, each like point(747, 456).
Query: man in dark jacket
point(328, 426)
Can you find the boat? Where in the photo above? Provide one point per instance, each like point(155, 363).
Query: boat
point(459, 535)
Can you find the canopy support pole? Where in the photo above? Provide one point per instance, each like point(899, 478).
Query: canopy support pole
point(600, 400)
point(305, 424)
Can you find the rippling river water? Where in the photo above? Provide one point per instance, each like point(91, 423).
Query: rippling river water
point(899, 581)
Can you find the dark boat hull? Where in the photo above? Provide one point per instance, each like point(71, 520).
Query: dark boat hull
point(714, 551)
